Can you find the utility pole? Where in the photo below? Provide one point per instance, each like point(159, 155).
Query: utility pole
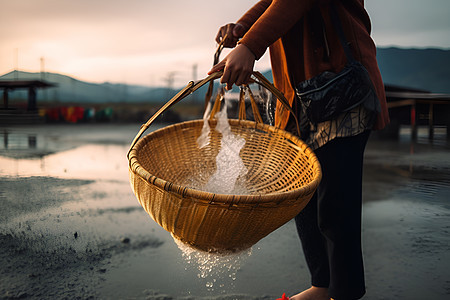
point(194, 78)
point(194, 72)
point(16, 64)
point(43, 75)
point(42, 68)
point(169, 80)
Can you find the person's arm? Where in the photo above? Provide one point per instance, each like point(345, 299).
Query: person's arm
point(232, 32)
point(253, 14)
point(275, 22)
point(272, 24)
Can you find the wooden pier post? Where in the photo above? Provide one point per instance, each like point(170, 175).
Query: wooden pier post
point(413, 121)
point(430, 122)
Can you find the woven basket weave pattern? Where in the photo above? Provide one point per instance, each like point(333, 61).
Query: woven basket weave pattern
point(282, 176)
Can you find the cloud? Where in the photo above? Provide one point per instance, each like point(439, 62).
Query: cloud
point(147, 38)
point(410, 22)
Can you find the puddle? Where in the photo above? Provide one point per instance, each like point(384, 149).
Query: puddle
point(70, 225)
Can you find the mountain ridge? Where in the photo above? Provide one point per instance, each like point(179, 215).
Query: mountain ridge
point(426, 69)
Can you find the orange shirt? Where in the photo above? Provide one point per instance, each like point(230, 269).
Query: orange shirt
point(301, 46)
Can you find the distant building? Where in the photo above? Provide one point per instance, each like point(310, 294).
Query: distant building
point(31, 85)
point(28, 115)
point(414, 107)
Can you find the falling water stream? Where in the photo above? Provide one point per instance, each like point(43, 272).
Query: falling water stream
point(219, 268)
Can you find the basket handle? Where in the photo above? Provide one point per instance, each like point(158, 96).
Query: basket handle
point(261, 80)
point(241, 104)
point(219, 49)
point(192, 87)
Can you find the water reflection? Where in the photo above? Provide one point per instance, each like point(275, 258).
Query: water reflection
point(86, 150)
point(15, 141)
point(438, 138)
point(21, 145)
point(84, 162)
point(63, 151)
point(406, 222)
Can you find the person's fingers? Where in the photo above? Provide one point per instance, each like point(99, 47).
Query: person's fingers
point(229, 34)
point(237, 67)
point(243, 78)
point(229, 77)
point(229, 29)
point(233, 79)
point(226, 35)
point(225, 77)
point(229, 40)
point(220, 34)
point(217, 67)
point(238, 31)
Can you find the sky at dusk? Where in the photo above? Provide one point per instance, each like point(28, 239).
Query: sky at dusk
point(147, 41)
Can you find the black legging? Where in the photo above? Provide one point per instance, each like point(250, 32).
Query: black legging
point(330, 225)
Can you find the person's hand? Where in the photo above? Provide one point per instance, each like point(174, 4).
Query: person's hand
point(237, 66)
point(230, 34)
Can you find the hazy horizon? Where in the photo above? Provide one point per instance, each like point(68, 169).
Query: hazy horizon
point(153, 43)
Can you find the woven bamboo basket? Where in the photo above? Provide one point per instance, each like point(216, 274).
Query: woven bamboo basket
point(283, 173)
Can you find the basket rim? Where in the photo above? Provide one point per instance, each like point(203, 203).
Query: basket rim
point(228, 199)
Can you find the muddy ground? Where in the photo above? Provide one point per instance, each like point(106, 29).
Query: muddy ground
point(71, 228)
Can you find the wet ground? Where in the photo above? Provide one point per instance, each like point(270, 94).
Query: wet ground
point(70, 226)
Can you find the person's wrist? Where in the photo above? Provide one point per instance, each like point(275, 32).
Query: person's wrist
point(248, 49)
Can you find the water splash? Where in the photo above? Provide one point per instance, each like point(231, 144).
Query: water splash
point(230, 169)
point(203, 139)
point(229, 165)
point(266, 99)
point(219, 270)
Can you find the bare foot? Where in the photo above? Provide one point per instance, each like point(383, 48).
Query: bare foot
point(313, 293)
